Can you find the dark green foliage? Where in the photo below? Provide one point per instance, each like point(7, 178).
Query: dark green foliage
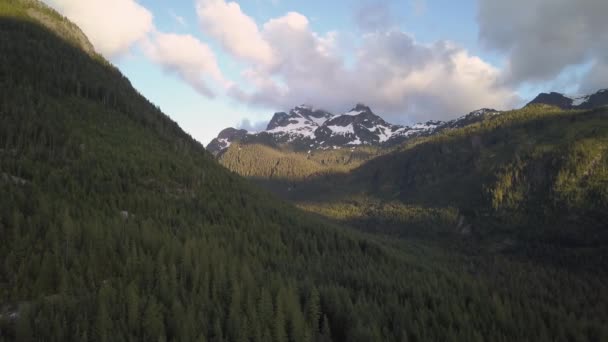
point(118, 226)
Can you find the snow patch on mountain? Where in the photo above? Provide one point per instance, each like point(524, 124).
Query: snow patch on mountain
point(353, 112)
point(357, 141)
point(297, 126)
point(342, 130)
point(578, 100)
point(319, 121)
point(225, 143)
point(387, 132)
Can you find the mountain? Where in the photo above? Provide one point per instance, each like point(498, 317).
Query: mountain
point(341, 144)
point(535, 173)
point(225, 138)
point(117, 225)
point(305, 128)
point(598, 99)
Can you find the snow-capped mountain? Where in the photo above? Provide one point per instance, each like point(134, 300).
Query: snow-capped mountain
point(305, 128)
point(300, 123)
point(598, 99)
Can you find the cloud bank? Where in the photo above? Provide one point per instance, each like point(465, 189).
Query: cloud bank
point(289, 64)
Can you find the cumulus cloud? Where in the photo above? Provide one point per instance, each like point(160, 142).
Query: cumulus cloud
point(186, 56)
point(399, 77)
point(543, 37)
point(237, 32)
point(113, 26)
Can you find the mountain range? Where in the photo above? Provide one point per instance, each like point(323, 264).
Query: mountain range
point(305, 128)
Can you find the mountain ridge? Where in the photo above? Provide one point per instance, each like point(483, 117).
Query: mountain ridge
point(305, 128)
point(597, 99)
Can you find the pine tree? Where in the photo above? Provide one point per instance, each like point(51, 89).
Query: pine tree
point(133, 312)
point(313, 309)
point(103, 321)
point(153, 324)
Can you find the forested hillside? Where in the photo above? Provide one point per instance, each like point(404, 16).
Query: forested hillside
point(264, 162)
point(118, 226)
point(537, 173)
point(534, 174)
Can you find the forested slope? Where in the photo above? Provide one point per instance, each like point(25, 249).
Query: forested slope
point(538, 173)
point(116, 226)
point(280, 164)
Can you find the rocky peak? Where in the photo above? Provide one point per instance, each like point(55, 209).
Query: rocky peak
point(359, 126)
point(598, 99)
point(553, 99)
point(224, 139)
point(232, 133)
point(278, 119)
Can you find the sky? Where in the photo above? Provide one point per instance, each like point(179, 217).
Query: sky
point(212, 64)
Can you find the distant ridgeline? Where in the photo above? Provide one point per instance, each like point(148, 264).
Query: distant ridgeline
point(116, 225)
point(307, 141)
point(305, 128)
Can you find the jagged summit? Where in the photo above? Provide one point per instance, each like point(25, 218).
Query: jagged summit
point(305, 128)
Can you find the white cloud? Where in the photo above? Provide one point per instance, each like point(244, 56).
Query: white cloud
point(113, 26)
point(237, 32)
point(186, 56)
point(399, 77)
point(287, 63)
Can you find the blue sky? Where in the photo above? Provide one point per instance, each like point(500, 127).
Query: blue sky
point(210, 64)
